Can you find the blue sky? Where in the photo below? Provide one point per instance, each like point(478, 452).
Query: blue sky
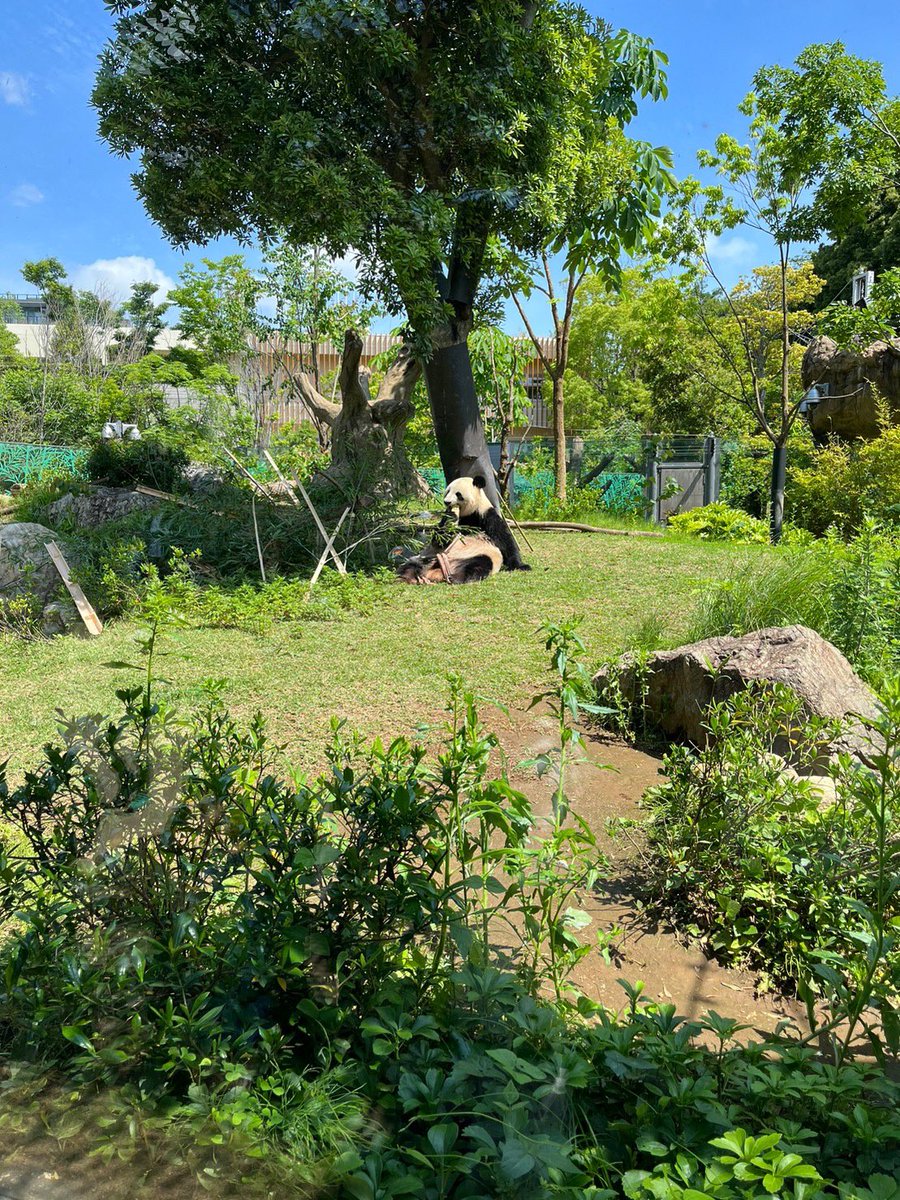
point(63, 194)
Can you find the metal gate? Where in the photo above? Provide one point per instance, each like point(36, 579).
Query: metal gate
point(680, 483)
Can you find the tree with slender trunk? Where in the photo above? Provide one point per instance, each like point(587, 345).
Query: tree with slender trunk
point(822, 136)
point(408, 134)
point(498, 364)
point(556, 364)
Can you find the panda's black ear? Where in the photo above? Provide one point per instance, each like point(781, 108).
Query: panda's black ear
point(479, 481)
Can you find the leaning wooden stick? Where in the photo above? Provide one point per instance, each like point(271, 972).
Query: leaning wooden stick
point(262, 565)
point(275, 467)
point(158, 495)
point(315, 516)
point(329, 549)
point(92, 622)
point(509, 512)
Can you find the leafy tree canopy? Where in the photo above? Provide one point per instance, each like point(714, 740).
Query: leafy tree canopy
point(144, 316)
point(644, 351)
point(408, 132)
point(829, 131)
point(872, 243)
point(853, 328)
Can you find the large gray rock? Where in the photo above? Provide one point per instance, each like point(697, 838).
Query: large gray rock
point(96, 507)
point(25, 566)
point(860, 384)
point(678, 686)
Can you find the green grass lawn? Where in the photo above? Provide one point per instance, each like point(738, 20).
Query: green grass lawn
point(383, 671)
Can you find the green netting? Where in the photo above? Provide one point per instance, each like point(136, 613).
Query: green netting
point(20, 462)
point(619, 492)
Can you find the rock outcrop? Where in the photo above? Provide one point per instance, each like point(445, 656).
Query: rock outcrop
point(26, 568)
point(97, 506)
point(676, 687)
point(855, 381)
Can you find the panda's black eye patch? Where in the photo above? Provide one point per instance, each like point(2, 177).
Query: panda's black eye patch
point(459, 495)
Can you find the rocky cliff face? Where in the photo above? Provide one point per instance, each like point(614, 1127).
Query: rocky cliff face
point(856, 380)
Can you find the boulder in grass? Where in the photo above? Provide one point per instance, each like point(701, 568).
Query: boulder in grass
point(677, 687)
point(26, 568)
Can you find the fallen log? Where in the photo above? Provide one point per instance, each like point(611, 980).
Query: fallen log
point(575, 527)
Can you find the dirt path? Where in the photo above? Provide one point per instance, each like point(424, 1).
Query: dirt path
point(673, 971)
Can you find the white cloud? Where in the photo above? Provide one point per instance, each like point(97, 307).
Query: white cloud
point(733, 249)
point(113, 277)
point(348, 265)
point(25, 195)
point(14, 88)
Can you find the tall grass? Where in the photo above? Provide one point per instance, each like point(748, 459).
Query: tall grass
point(792, 588)
point(848, 592)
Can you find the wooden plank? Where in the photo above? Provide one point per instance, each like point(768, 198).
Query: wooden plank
point(170, 496)
point(92, 622)
point(329, 549)
point(243, 470)
point(342, 570)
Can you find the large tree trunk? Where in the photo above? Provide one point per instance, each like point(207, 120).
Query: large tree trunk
point(455, 410)
point(559, 435)
point(368, 456)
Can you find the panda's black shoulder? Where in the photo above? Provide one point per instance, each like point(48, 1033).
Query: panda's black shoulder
point(492, 525)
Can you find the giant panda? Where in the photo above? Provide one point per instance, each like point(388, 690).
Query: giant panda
point(467, 501)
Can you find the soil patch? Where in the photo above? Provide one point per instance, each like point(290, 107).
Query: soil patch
point(610, 783)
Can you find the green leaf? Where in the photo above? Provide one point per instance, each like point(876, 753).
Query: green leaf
point(72, 1033)
point(515, 1160)
point(443, 1137)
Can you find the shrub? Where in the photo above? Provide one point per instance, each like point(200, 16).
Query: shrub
point(294, 968)
point(58, 408)
point(254, 606)
point(296, 448)
point(749, 856)
point(126, 463)
point(846, 484)
point(719, 523)
point(849, 593)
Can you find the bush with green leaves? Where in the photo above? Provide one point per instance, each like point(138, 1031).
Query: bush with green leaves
point(307, 979)
point(770, 872)
point(252, 605)
point(298, 450)
point(747, 470)
point(718, 523)
point(844, 485)
point(848, 592)
point(126, 463)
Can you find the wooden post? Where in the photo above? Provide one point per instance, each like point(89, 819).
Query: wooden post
point(315, 516)
point(262, 565)
point(275, 467)
point(243, 470)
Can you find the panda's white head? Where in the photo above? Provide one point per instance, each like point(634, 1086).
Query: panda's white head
point(466, 496)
